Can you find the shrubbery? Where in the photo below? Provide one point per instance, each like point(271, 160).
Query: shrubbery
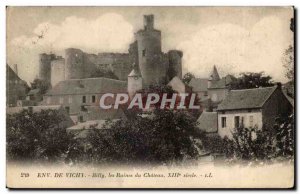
point(36, 136)
point(162, 137)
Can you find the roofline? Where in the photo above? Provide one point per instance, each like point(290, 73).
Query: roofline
point(82, 93)
point(254, 88)
point(258, 107)
point(91, 78)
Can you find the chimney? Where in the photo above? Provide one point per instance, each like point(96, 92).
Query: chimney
point(279, 85)
point(149, 22)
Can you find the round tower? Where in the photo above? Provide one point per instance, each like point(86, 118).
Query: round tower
point(74, 64)
point(175, 64)
point(45, 66)
point(149, 53)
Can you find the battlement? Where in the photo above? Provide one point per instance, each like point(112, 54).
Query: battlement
point(149, 22)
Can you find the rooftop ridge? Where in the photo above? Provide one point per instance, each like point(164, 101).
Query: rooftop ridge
point(269, 87)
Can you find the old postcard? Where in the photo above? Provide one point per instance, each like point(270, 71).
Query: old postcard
point(150, 97)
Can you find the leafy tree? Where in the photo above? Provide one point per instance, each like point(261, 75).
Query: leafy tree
point(288, 63)
point(266, 144)
point(249, 144)
point(43, 85)
point(36, 136)
point(162, 137)
point(284, 129)
point(251, 80)
point(188, 77)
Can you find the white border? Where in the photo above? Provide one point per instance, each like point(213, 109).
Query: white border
point(4, 3)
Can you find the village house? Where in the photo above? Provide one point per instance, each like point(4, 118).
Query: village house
point(252, 108)
point(212, 90)
point(16, 88)
point(80, 97)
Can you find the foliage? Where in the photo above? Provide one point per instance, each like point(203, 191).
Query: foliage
point(213, 143)
point(188, 77)
point(36, 136)
point(43, 85)
point(249, 144)
point(284, 129)
point(288, 63)
point(161, 137)
point(265, 144)
point(104, 72)
point(251, 80)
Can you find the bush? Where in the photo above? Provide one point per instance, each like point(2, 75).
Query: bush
point(162, 137)
point(265, 144)
point(36, 136)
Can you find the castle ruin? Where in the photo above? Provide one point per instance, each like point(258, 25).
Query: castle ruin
point(144, 63)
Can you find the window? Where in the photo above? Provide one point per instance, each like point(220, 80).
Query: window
point(61, 100)
point(67, 109)
point(223, 120)
point(144, 52)
point(70, 99)
point(93, 99)
point(236, 121)
point(83, 99)
point(250, 121)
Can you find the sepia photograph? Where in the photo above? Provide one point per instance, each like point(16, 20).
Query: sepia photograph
point(150, 97)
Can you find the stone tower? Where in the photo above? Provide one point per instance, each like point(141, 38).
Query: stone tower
point(74, 64)
point(45, 66)
point(149, 53)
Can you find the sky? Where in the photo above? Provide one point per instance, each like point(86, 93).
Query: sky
point(234, 39)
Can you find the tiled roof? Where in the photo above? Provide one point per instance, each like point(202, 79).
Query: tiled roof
point(88, 86)
point(208, 121)
point(247, 98)
point(198, 84)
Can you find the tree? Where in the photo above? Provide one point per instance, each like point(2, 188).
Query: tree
point(187, 78)
point(37, 136)
point(249, 144)
point(251, 80)
point(252, 144)
point(284, 129)
point(43, 85)
point(162, 137)
point(288, 63)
